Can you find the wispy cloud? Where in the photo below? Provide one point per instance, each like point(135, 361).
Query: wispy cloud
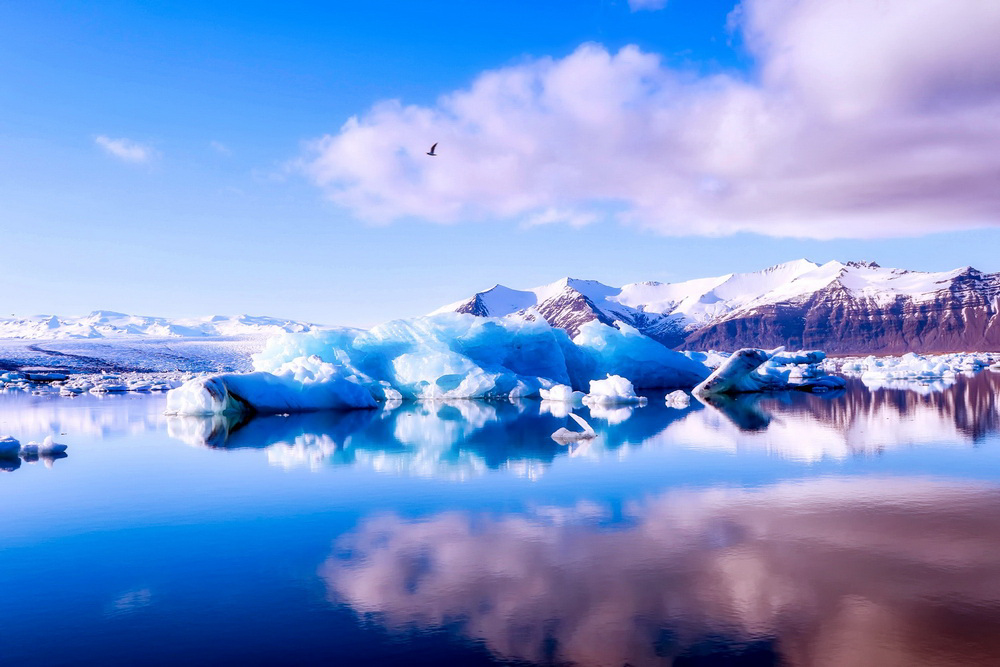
point(652, 5)
point(126, 149)
point(220, 147)
point(862, 119)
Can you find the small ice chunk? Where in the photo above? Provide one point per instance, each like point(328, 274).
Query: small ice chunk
point(50, 447)
point(614, 389)
point(108, 388)
point(678, 399)
point(10, 448)
point(564, 435)
point(46, 377)
point(561, 392)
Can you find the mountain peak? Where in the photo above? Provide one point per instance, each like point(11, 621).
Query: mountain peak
point(843, 307)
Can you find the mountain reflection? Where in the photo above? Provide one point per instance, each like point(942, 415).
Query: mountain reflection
point(899, 571)
point(464, 438)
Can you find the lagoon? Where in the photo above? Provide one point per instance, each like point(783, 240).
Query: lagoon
point(855, 527)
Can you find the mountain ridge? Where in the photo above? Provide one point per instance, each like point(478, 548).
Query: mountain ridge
point(111, 324)
point(855, 307)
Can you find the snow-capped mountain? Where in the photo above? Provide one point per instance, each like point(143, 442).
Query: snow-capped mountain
point(107, 324)
point(857, 307)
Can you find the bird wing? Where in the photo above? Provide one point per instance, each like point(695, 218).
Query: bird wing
point(433, 147)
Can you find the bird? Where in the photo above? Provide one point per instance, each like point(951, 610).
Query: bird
point(431, 151)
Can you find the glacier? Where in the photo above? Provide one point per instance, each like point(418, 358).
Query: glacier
point(440, 357)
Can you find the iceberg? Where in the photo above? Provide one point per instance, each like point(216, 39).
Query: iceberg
point(613, 390)
point(10, 448)
point(753, 370)
point(563, 393)
point(266, 393)
point(47, 448)
point(876, 371)
point(601, 350)
point(678, 399)
point(441, 357)
point(564, 435)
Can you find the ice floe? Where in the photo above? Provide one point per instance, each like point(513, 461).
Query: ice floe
point(47, 447)
point(753, 370)
point(564, 435)
point(878, 370)
point(12, 451)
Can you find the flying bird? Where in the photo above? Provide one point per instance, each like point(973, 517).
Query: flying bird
point(431, 151)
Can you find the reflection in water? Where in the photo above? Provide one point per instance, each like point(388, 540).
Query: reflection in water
point(460, 439)
point(840, 572)
point(450, 439)
point(857, 421)
point(29, 417)
point(612, 561)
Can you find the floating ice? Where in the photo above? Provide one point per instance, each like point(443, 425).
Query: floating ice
point(48, 447)
point(563, 393)
point(268, 393)
point(711, 358)
point(9, 447)
point(602, 350)
point(441, 357)
point(678, 399)
point(611, 391)
point(752, 370)
point(108, 388)
point(877, 371)
point(46, 377)
point(564, 435)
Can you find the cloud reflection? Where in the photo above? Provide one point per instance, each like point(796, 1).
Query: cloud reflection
point(850, 571)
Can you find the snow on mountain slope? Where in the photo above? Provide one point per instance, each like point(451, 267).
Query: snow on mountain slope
point(109, 324)
point(852, 307)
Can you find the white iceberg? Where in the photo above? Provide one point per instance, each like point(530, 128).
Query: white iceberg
point(678, 399)
point(563, 393)
point(613, 390)
point(878, 371)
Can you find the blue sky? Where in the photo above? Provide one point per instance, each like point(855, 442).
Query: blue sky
point(161, 158)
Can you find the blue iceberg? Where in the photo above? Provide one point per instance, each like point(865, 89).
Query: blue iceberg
point(440, 357)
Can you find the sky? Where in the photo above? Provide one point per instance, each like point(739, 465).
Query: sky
point(185, 159)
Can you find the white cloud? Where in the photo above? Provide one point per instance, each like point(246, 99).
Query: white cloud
point(863, 120)
point(652, 5)
point(220, 147)
point(126, 149)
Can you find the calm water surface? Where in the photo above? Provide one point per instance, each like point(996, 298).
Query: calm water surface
point(861, 528)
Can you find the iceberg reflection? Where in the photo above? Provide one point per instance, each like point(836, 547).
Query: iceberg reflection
point(457, 439)
point(849, 571)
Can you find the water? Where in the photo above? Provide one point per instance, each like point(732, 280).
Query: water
point(861, 528)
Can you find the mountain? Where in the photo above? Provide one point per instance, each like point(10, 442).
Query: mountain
point(852, 308)
point(108, 324)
